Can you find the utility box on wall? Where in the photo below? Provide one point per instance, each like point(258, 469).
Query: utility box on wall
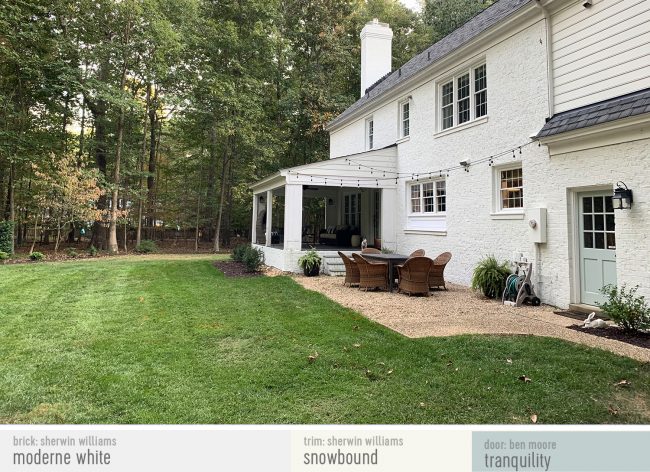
point(536, 220)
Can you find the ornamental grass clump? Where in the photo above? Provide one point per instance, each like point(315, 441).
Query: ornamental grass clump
point(629, 311)
point(490, 277)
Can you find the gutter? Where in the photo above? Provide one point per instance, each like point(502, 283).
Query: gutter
point(549, 59)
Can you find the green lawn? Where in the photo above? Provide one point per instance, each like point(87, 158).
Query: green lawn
point(171, 340)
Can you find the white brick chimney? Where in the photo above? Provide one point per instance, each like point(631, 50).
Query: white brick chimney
point(376, 53)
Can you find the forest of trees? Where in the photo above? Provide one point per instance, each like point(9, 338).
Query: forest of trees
point(134, 118)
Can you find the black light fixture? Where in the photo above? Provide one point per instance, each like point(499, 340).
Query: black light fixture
point(261, 198)
point(622, 198)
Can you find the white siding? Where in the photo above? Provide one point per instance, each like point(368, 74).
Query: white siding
point(600, 52)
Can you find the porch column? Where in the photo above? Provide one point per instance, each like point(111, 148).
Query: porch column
point(389, 218)
point(254, 226)
point(293, 216)
point(269, 216)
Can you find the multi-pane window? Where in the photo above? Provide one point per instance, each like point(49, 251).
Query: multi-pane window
point(480, 91)
point(463, 98)
point(370, 125)
point(416, 202)
point(405, 119)
point(511, 190)
point(448, 105)
point(598, 223)
point(428, 197)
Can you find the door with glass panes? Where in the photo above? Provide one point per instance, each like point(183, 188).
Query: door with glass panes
point(597, 245)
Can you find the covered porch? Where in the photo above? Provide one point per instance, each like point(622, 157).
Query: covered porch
point(329, 205)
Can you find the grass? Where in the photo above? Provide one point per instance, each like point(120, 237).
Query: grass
point(171, 340)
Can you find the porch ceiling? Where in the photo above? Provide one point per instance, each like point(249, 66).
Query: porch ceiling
point(370, 169)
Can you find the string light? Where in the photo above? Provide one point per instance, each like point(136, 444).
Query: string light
point(386, 174)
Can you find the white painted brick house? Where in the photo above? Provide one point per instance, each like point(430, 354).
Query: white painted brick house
point(567, 81)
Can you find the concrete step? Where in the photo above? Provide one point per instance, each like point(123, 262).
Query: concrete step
point(584, 309)
point(333, 265)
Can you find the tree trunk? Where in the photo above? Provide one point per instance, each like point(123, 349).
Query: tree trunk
point(141, 198)
point(224, 186)
point(113, 247)
point(58, 235)
point(35, 234)
point(196, 231)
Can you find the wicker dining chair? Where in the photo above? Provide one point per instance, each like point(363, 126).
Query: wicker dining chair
point(351, 270)
point(417, 253)
point(414, 275)
point(437, 272)
point(370, 250)
point(371, 274)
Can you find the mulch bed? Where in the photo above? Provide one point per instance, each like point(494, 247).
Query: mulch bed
point(234, 269)
point(612, 332)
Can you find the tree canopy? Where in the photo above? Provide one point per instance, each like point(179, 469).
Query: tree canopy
point(151, 115)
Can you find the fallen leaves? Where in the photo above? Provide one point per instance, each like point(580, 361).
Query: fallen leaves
point(623, 383)
point(312, 357)
point(612, 410)
point(524, 379)
point(533, 418)
point(508, 361)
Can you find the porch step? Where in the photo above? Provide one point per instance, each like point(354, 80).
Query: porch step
point(584, 309)
point(332, 264)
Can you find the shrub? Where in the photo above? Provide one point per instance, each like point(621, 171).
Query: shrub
point(92, 251)
point(629, 311)
point(3, 256)
point(71, 252)
point(490, 277)
point(7, 236)
point(253, 259)
point(238, 253)
point(37, 256)
point(146, 246)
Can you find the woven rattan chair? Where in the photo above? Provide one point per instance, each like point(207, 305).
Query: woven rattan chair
point(371, 274)
point(351, 271)
point(437, 272)
point(414, 275)
point(370, 250)
point(417, 253)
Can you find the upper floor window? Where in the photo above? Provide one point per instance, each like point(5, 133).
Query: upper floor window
point(463, 98)
point(511, 189)
point(370, 133)
point(404, 119)
point(428, 197)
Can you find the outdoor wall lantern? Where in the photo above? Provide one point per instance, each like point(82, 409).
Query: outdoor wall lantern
point(261, 198)
point(622, 198)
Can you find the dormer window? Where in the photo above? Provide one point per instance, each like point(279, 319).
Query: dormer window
point(463, 98)
point(404, 119)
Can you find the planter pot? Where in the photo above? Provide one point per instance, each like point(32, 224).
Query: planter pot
point(313, 272)
point(378, 243)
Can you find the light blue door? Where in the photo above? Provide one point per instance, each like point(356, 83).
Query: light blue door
point(597, 245)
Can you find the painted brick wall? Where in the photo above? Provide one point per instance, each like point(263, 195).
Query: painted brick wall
point(517, 108)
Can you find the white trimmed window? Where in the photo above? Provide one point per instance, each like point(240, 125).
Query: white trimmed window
point(352, 209)
point(510, 191)
point(370, 133)
point(428, 197)
point(404, 119)
point(463, 97)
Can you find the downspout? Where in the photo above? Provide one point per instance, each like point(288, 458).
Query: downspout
point(549, 59)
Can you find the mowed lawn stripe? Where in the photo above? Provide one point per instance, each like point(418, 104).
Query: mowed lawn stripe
point(155, 340)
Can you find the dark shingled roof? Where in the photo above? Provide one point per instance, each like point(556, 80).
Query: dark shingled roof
point(470, 30)
point(617, 108)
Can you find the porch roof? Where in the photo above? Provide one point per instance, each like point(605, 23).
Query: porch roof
point(376, 169)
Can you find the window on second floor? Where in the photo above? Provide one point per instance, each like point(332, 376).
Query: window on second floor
point(370, 133)
point(404, 119)
point(428, 197)
point(463, 98)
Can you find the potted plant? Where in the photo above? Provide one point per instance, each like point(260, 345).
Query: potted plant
point(310, 263)
point(490, 276)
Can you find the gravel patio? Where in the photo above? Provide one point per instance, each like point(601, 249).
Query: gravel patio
point(460, 311)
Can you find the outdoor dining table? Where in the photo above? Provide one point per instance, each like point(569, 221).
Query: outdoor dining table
point(392, 259)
